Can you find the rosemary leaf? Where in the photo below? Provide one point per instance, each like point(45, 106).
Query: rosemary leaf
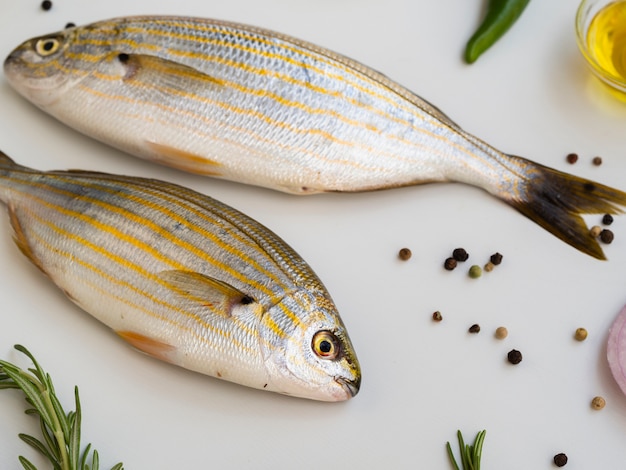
point(37, 445)
point(83, 460)
point(478, 448)
point(26, 464)
point(465, 459)
point(95, 461)
point(74, 437)
point(451, 455)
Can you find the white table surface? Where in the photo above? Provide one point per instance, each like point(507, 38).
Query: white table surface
point(531, 95)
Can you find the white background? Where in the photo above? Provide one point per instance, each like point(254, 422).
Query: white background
point(531, 95)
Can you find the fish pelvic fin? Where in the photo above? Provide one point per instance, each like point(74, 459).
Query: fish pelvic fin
point(182, 160)
point(150, 346)
point(556, 200)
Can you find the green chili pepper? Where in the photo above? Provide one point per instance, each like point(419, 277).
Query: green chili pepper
point(501, 14)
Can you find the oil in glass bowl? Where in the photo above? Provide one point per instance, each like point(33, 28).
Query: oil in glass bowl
point(601, 28)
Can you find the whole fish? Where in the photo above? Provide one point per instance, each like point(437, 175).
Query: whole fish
point(258, 107)
point(184, 278)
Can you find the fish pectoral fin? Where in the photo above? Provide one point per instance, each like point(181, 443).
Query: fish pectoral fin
point(157, 72)
point(206, 292)
point(150, 346)
point(182, 159)
point(21, 240)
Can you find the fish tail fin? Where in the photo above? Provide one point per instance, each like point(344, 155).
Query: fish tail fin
point(556, 200)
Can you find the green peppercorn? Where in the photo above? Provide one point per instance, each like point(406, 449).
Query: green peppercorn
point(475, 271)
point(580, 334)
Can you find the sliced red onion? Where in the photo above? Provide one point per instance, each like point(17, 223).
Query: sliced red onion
point(616, 349)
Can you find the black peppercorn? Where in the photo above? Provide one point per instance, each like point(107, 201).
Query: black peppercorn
point(460, 254)
point(607, 219)
point(560, 460)
point(450, 264)
point(514, 356)
point(437, 316)
point(475, 328)
point(496, 258)
point(46, 5)
point(572, 158)
point(606, 236)
point(404, 254)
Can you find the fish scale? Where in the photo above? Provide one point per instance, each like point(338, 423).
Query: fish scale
point(242, 103)
point(183, 278)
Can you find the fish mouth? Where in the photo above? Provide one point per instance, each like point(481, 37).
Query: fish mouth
point(11, 62)
point(350, 386)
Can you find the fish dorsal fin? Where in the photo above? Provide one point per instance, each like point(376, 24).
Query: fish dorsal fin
point(154, 71)
point(203, 291)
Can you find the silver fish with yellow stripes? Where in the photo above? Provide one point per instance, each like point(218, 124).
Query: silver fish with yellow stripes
point(183, 278)
point(251, 105)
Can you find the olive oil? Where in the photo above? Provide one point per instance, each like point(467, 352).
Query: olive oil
point(606, 39)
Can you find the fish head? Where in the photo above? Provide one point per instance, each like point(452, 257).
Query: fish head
point(307, 350)
point(43, 69)
point(37, 68)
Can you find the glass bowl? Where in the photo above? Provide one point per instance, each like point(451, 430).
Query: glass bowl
point(602, 58)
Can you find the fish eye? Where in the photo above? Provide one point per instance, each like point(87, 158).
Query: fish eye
point(326, 345)
point(47, 46)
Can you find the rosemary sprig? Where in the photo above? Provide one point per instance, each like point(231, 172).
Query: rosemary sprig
point(60, 430)
point(470, 454)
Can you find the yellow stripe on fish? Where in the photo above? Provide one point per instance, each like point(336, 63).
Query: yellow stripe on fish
point(184, 278)
point(259, 107)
